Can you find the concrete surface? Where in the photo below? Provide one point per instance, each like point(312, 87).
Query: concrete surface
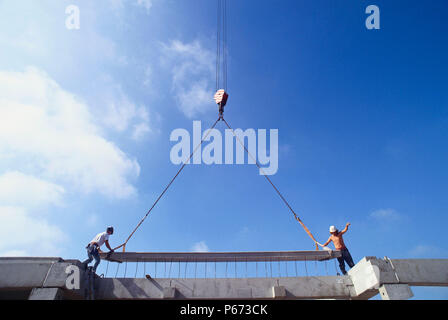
point(253, 288)
point(395, 292)
point(56, 278)
point(21, 276)
point(46, 294)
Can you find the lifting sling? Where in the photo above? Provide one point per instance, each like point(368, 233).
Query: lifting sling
point(221, 86)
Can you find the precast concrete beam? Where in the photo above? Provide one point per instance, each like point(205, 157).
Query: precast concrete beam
point(46, 294)
point(169, 293)
point(327, 287)
point(48, 278)
point(30, 273)
point(278, 292)
point(221, 256)
point(421, 272)
point(371, 273)
point(395, 292)
point(365, 277)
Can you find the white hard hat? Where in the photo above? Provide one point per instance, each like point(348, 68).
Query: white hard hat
point(332, 229)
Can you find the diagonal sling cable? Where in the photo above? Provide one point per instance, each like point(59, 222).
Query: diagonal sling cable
point(167, 187)
point(275, 188)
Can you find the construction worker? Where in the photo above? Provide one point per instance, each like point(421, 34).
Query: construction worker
point(93, 248)
point(338, 241)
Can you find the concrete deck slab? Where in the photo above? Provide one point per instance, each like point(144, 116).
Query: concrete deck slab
point(334, 287)
point(50, 278)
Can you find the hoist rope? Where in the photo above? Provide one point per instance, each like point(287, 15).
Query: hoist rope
point(221, 46)
point(218, 45)
point(225, 44)
point(167, 187)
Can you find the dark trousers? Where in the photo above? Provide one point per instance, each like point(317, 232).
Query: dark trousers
point(346, 257)
point(92, 253)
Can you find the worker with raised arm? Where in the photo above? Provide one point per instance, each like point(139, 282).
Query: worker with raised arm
point(338, 241)
point(94, 247)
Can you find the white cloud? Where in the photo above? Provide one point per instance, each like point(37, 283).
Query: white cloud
point(147, 81)
point(52, 127)
point(147, 4)
point(116, 4)
point(385, 215)
point(51, 142)
point(17, 188)
point(119, 4)
point(24, 230)
point(193, 69)
point(120, 113)
point(200, 247)
point(33, 36)
point(117, 112)
point(40, 40)
point(23, 234)
point(140, 130)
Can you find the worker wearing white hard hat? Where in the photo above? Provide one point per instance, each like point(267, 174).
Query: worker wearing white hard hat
point(338, 241)
point(93, 248)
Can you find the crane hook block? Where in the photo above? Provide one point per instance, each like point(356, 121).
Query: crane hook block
point(221, 97)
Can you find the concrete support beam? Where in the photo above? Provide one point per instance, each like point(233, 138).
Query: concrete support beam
point(365, 277)
point(30, 272)
point(421, 272)
point(244, 293)
point(395, 292)
point(46, 294)
point(328, 287)
point(372, 274)
point(37, 274)
point(278, 292)
point(55, 278)
point(169, 293)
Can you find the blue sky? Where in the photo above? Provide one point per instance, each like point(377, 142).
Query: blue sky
point(87, 114)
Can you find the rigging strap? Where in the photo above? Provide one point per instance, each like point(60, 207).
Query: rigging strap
point(188, 160)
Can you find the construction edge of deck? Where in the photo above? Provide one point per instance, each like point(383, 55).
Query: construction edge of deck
point(56, 278)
